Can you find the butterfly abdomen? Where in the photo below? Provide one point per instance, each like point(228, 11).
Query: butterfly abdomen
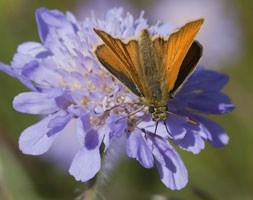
point(149, 68)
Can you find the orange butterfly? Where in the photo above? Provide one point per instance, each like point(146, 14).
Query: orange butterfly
point(152, 67)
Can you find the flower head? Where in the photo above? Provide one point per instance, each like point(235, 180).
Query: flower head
point(68, 83)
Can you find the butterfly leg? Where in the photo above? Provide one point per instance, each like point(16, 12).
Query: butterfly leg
point(164, 122)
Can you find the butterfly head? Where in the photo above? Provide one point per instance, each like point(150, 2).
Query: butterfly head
point(158, 113)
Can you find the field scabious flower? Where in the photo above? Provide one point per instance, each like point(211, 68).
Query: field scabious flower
point(68, 83)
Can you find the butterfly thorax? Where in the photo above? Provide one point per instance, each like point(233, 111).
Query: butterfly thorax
point(155, 97)
point(158, 113)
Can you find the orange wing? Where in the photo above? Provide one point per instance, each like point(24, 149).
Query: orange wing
point(122, 60)
point(174, 50)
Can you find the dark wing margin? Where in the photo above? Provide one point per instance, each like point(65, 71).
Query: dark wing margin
point(188, 65)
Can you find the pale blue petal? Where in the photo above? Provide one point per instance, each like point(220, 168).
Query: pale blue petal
point(42, 26)
point(86, 164)
point(192, 142)
point(58, 123)
point(215, 133)
point(115, 127)
point(34, 103)
point(137, 147)
point(170, 166)
point(34, 140)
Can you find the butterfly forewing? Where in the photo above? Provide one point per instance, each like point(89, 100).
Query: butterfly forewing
point(110, 61)
point(174, 51)
point(121, 58)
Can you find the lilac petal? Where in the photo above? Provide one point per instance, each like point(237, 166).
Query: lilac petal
point(152, 127)
point(176, 126)
point(88, 136)
point(201, 79)
point(82, 126)
point(34, 140)
point(7, 69)
point(85, 164)
point(42, 26)
point(192, 140)
point(162, 29)
point(28, 67)
point(173, 180)
point(27, 83)
point(114, 128)
point(137, 147)
point(11, 72)
point(87, 161)
point(34, 103)
point(215, 133)
point(211, 103)
point(46, 18)
point(118, 124)
point(92, 139)
point(33, 49)
point(76, 110)
point(19, 60)
point(170, 166)
point(58, 123)
point(65, 147)
point(41, 73)
point(53, 19)
point(63, 102)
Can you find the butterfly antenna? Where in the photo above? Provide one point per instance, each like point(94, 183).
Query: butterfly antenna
point(121, 105)
point(185, 118)
point(132, 113)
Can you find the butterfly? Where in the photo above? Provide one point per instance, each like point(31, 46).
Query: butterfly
point(152, 67)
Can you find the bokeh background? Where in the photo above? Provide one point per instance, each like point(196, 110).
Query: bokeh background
point(214, 174)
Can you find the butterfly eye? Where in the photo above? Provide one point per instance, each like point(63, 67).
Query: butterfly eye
point(151, 109)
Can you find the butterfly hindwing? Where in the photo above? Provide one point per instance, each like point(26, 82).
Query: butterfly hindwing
point(188, 66)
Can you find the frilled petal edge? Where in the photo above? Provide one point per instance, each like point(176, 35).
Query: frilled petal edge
point(171, 168)
point(34, 140)
point(34, 103)
point(42, 26)
point(193, 140)
point(137, 147)
point(85, 164)
point(215, 133)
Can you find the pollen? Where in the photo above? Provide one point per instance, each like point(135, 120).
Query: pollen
point(86, 101)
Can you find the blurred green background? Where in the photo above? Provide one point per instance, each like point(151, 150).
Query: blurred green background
point(214, 174)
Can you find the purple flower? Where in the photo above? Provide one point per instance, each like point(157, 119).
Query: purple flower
point(68, 84)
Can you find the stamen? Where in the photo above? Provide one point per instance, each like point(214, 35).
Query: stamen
point(121, 105)
point(135, 125)
point(132, 113)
